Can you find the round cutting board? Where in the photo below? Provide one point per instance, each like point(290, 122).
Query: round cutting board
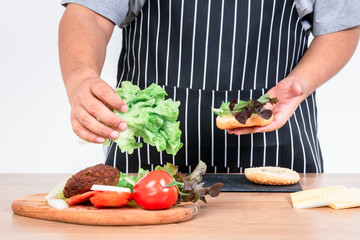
point(36, 207)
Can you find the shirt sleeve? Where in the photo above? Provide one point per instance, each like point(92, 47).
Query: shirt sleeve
point(114, 10)
point(328, 16)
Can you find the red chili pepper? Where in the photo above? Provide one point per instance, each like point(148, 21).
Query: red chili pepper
point(151, 192)
point(111, 199)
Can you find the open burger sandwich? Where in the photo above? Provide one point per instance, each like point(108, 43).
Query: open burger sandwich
point(244, 113)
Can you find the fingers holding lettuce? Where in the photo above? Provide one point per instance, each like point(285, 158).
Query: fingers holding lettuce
point(100, 114)
point(92, 117)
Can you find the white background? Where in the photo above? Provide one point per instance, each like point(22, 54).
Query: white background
point(35, 130)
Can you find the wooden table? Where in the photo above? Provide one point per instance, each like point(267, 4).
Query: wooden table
point(230, 216)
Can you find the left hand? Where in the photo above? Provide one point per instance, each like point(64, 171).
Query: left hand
point(291, 91)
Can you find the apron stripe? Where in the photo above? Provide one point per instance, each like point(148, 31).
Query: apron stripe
point(212, 128)
point(264, 138)
point(312, 134)
point(258, 44)
point(301, 141)
point(238, 138)
point(206, 44)
point(307, 138)
point(225, 136)
point(299, 47)
point(279, 43)
point(292, 144)
point(186, 128)
point(148, 153)
point(157, 45)
point(233, 47)
point(127, 162)
point(168, 47)
point(139, 155)
point(220, 45)
point(140, 39)
point(277, 147)
point(173, 156)
point(246, 45)
point(199, 124)
point(252, 139)
point(133, 52)
point(193, 46)
point(147, 46)
point(288, 40)
point(303, 48)
point(315, 124)
point(180, 42)
point(115, 153)
point(128, 53)
point(123, 71)
point(294, 47)
point(269, 46)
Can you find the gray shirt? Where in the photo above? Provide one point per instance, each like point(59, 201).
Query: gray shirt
point(320, 16)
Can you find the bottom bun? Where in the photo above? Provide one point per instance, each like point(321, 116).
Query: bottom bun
point(272, 175)
point(229, 122)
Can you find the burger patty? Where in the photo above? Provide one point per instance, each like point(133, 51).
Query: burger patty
point(82, 181)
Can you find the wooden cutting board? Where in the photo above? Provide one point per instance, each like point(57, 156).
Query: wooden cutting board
point(36, 207)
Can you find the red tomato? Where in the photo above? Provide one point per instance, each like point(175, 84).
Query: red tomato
point(150, 192)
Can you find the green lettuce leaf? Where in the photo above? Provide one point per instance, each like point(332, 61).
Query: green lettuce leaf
point(129, 181)
point(149, 116)
point(223, 110)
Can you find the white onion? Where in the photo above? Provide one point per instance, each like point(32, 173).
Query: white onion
point(57, 203)
point(96, 187)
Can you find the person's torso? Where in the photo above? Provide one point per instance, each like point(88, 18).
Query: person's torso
point(204, 52)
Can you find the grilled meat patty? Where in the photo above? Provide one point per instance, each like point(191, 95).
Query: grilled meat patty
point(82, 181)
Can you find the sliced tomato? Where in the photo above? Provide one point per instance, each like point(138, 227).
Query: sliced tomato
point(82, 197)
point(111, 199)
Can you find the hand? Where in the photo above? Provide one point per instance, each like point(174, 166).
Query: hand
point(291, 91)
point(91, 116)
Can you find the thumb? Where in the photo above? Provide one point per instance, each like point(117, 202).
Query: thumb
point(298, 87)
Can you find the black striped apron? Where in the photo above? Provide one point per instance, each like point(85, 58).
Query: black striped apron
point(204, 52)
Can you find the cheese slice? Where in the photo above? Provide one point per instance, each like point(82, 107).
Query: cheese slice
point(349, 199)
point(318, 197)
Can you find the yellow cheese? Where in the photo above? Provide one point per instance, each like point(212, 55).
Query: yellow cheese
point(336, 197)
point(349, 199)
point(316, 197)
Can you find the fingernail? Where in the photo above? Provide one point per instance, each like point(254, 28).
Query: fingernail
point(100, 140)
point(122, 126)
point(124, 108)
point(114, 135)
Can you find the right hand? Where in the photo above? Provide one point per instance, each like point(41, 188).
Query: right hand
point(91, 116)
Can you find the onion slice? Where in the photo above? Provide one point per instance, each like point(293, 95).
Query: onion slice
point(57, 203)
point(96, 187)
